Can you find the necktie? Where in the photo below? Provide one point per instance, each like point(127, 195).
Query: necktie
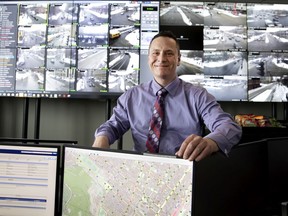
point(153, 138)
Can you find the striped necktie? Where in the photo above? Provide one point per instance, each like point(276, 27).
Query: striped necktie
point(153, 138)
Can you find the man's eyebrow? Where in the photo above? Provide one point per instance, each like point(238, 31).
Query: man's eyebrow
point(154, 50)
point(165, 50)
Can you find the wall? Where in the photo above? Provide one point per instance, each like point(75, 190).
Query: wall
point(77, 119)
point(60, 119)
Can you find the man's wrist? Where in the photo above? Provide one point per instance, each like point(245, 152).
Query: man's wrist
point(101, 142)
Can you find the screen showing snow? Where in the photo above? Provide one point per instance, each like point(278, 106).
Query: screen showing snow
point(91, 49)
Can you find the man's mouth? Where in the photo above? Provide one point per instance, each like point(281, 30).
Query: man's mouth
point(161, 65)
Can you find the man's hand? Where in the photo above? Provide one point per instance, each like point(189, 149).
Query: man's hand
point(101, 142)
point(196, 148)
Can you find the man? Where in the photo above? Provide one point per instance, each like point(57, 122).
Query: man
point(186, 108)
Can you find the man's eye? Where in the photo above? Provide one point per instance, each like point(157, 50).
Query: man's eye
point(169, 54)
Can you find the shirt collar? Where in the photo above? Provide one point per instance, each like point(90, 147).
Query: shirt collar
point(171, 87)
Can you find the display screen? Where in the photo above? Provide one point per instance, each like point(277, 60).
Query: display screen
point(29, 179)
point(98, 182)
point(77, 49)
point(268, 52)
point(91, 49)
point(268, 76)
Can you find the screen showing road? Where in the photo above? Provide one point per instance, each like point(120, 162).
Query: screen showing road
point(99, 49)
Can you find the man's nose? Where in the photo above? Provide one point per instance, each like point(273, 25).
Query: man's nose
point(161, 57)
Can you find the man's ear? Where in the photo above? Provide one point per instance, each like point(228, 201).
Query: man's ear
point(179, 59)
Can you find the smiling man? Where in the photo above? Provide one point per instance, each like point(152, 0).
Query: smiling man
point(185, 109)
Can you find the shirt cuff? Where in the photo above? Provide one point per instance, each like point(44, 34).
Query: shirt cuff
point(221, 141)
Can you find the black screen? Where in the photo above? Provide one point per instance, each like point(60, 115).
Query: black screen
point(278, 175)
point(240, 179)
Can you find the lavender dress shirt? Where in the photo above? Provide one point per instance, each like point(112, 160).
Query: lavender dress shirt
point(187, 107)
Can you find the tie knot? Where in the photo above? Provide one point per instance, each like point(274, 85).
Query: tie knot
point(162, 92)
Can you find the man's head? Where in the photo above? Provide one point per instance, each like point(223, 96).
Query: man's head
point(167, 34)
point(164, 57)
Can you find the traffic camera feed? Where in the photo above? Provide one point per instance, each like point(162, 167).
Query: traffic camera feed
point(90, 49)
point(268, 76)
point(218, 72)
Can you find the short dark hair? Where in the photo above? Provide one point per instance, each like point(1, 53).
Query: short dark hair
point(168, 34)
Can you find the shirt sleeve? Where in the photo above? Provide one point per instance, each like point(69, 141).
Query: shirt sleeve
point(118, 124)
point(223, 129)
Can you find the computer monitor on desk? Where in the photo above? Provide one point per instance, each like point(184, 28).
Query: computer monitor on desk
point(235, 185)
point(36, 141)
point(106, 182)
point(29, 179)
point(278, 171)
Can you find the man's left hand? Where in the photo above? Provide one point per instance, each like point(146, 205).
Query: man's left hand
point(196, 148)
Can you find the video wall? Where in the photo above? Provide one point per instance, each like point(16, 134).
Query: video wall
point(90, 49)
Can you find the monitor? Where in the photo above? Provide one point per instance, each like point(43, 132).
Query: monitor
point(235, 185)
point(99, 49)
point(98, 182)
point(267, 52)
point(73, 49)
point(278, 175)
point(213, 43)
point(29, 179)
point(267, 76)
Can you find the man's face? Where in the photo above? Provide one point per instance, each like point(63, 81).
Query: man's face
point(163, 58)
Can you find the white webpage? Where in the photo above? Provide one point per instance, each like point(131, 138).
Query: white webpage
point(27, 180)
